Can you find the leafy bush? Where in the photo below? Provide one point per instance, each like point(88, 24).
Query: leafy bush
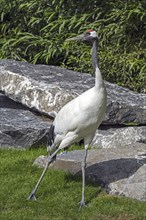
point(35, 31)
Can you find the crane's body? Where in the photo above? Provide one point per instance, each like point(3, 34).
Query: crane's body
point(81, 117)
point(78, 119)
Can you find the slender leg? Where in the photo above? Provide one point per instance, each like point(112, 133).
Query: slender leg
point(51, 158)
point(68, 139)
point(82, 203)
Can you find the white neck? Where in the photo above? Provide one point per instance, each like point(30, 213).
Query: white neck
point(98, 77)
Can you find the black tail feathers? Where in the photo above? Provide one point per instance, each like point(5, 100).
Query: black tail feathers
point(51, 136)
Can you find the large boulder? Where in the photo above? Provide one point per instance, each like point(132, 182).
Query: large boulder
point(120, 171)
point(48, 88)
point(20, 128)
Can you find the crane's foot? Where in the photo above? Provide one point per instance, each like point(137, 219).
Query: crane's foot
point(82, 204)
point(32, 196)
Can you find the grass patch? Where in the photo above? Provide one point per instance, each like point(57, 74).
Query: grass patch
point(58, 195)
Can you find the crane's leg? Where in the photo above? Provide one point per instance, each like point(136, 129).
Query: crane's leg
point(51, 158)
point(82, 203)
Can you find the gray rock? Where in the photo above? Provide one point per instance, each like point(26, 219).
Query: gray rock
point(16, 119)
point(20, 128)
point(110, 136)
point(133, 187)
point(48, 88)
point(120, 171)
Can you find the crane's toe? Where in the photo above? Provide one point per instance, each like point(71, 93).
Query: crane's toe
point(32, 197)
point(82, 204)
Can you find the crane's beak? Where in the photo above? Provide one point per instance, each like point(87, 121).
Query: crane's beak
point(79, 37)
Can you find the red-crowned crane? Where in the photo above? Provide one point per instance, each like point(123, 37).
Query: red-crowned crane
point(78, 119)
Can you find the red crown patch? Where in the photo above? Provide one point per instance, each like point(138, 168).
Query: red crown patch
point(90, 30)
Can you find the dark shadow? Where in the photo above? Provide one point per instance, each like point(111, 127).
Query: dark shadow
point(106, 172)
point(6, 102)
point(103, 173)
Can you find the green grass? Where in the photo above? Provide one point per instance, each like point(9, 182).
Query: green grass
point(58, 195)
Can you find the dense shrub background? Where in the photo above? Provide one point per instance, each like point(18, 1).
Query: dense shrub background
point(35, 31)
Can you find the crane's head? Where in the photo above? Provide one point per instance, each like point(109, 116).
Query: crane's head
point(88, 36)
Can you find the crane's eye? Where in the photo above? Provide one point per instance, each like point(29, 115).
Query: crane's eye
point(87, 34)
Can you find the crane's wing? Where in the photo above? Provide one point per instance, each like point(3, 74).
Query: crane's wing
point(83, 114)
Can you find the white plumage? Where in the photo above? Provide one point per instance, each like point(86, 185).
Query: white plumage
point(79, 119)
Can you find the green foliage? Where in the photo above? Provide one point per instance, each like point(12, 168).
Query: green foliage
point(35, 31)
point(58, 195)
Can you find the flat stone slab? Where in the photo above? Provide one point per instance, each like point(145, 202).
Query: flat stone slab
point(20, 128)
point(48, 88)
point(120, 171)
